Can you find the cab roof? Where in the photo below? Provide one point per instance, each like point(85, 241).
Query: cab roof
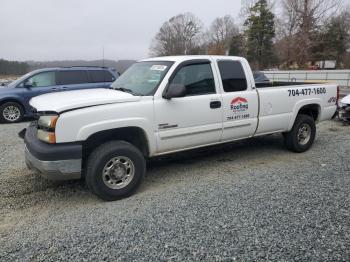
point(190, 57)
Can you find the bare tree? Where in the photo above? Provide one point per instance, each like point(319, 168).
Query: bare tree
point(291, 14)
point(181, 35)
point(220, 34)
point(287, 27)
point(301, 20)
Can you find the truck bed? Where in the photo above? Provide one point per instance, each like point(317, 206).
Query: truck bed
point(282, 84)
point(281, 101)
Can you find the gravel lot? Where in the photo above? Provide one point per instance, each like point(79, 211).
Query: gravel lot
point(250, 200)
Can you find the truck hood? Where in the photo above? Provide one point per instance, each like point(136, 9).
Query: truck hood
point(69, 100)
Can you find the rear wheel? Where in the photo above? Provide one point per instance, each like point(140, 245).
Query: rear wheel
point(302, 135)
point(115, 170)
point(11, 112)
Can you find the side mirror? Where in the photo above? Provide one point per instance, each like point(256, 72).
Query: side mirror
point(174, 90)
point(27, 84)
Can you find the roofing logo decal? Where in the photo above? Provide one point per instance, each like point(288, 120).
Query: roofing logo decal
point(239, 104)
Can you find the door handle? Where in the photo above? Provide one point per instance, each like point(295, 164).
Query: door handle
point(64, 88)
point(55, 89)
point(215, 104)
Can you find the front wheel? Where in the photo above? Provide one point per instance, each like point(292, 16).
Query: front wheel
point(11, 112)
point(115, 170)
point(302, 135)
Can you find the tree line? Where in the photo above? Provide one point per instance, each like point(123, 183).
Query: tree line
point(301, 33)
point(13, 67)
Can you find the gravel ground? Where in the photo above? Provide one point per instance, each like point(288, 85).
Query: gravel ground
point(246, 201)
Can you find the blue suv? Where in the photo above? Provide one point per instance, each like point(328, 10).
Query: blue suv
point(14, 98)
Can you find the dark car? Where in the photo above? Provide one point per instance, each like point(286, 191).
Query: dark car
point(260, 77)
point(14, 98)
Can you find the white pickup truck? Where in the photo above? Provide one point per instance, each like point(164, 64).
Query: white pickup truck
point(161, 106)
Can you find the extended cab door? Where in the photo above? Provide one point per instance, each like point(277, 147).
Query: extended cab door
point(240, 101)
point(193, 120)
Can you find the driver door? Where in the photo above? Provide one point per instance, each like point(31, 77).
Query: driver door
point(194, 120)
point(39, 84)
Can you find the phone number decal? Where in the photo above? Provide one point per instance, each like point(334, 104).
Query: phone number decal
point(239, 117)
point(307, 91)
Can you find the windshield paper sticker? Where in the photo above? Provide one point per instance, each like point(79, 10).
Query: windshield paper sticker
point(158, 67)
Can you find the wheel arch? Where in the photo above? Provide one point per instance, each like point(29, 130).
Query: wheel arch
point(311, 109)
point(14, 100)
point(22, 109)
point(131, 134)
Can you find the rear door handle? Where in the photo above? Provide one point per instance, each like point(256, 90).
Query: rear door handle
point(55, 89)
point(64, 88)
point(215, 104)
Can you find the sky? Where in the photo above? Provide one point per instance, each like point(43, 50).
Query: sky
point(43, 30)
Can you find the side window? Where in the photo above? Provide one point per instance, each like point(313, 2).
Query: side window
point(42, 79)
point(198, 79)
point(99, 76)
point(233, 76)
point(72, 77)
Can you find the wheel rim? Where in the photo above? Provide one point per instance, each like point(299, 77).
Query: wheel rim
point(118, 172)
point(11, 113)
point(304, 134)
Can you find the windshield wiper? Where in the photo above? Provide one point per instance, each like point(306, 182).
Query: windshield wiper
point(126, 90)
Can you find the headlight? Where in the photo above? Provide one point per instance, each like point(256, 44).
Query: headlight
point(47, 121)
point(46, 128)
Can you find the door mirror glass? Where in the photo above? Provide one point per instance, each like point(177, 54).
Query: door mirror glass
point(175, 90)
point(28, 84)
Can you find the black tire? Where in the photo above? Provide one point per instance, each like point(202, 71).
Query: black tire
point(291, 138)
point(103, 155)
point(18, 107)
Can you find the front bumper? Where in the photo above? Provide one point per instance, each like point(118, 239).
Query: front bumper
point(54, 162)
point(54, 170)
point(344, 112)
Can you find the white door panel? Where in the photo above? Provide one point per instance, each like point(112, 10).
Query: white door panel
point(240, 114)
point(187, 122)
point(240, 101)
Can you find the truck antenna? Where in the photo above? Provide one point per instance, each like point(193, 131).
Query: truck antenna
point(103, 56)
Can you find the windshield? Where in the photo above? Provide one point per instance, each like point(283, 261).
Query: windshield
point(143, 78)
point(19, 80)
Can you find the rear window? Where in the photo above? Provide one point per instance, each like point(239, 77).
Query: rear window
point(72, 77)
point(99, 76)
point(233, 76)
